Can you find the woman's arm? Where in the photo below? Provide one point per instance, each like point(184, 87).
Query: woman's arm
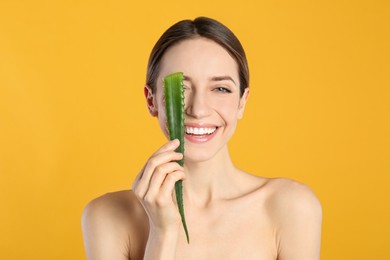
point(104, 230)
point(154, 188)
point(298, 216)
point(111, 222)
point(161, 245)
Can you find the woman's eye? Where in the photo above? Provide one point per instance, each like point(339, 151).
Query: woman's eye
point(223, 90)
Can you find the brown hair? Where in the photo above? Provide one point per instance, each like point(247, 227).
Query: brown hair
point(200, 27)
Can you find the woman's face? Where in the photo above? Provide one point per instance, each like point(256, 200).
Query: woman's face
point(212, 95)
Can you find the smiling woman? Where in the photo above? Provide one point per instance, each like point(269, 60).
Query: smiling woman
point(230, 214)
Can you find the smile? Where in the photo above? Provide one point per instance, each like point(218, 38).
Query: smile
point(199, 130)
point(199, 134)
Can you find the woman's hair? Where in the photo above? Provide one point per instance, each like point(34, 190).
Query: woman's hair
point(200, 27)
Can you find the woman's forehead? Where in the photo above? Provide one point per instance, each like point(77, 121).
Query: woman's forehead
point(199, 58)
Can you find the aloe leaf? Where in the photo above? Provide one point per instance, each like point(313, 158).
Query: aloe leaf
point(174, 105)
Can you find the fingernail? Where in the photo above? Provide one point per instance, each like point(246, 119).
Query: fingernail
point(175, 141)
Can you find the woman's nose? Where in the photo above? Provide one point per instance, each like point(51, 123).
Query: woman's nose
point(196, 105)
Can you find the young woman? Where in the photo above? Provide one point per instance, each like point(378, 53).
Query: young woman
point(230, 214)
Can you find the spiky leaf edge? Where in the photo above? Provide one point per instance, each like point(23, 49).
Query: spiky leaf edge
point(174, 105)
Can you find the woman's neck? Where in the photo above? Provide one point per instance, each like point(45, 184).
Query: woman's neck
point(210, 180)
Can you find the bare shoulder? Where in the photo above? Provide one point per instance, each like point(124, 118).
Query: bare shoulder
point(297, 215)
point(284, 197)
point(287, 194)
point(109, 222)
point(114, 205)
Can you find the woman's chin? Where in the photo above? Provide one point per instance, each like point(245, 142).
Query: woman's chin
point(197, 157)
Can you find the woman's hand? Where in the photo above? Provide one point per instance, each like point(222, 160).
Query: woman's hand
point(154, 187)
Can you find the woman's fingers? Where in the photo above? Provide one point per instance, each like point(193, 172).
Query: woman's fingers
point(165, 154)
point(170, 146)
point(155, 161)
point(163, 196)
point(161, 174)
point(169, 184)
point(154, 185)
point(151, 165)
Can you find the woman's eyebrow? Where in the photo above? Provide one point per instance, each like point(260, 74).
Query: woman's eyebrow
point(216, 78)
point(187, 78)
point(221, 78)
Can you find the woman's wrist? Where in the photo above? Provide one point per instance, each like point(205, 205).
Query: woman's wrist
point(161, 244)
point(164, 233)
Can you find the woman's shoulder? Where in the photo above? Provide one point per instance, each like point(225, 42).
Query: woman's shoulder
point(292, 204)
point(278, 189)
point(113, 204)
point(118, 208)
point(109, 221)
point(284, 191)
point(281, 195)
point(296, 214)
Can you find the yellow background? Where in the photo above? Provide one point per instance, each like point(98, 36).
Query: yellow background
point(74, 125)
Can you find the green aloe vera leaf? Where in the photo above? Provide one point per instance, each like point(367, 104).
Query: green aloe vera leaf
point(174, 106)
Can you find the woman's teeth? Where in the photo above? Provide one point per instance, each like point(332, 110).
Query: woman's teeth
point(199, 131)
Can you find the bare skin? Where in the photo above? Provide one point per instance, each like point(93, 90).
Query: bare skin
point(230, 214)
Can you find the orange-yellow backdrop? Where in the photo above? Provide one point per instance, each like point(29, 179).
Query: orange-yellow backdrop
point(73, 123)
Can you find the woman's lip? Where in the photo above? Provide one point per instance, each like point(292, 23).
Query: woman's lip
point(200, 125)
point(200, 138)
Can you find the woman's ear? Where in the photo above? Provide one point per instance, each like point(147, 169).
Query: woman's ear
point(242, 104)
point(151, 102)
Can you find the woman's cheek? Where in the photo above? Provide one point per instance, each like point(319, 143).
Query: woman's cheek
point(162, 119)
point(228, 109)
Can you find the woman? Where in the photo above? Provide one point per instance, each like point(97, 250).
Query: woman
point(230, 214)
